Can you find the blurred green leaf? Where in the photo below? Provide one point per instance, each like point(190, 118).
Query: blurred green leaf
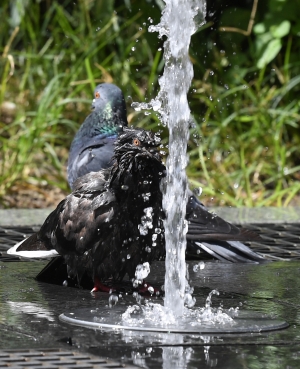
point(270, 53)
point(281, 30)
point(259, 28)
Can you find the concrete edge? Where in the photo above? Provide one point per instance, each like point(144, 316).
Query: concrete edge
point(243, 215)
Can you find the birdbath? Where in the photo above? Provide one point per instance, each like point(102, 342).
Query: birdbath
point(180, 19)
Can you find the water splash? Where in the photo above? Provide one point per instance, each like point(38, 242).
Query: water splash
point(147, 313)
point(178, 23)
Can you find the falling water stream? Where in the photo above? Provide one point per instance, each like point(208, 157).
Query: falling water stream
point(177, 24)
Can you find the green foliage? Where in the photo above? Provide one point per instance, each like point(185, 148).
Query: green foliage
point(249, 149)
point(244, 96)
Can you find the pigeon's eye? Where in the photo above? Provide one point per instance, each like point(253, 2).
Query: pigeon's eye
point(97, 95)
point(136, 142)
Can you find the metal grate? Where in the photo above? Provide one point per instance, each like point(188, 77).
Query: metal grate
point(9, 236)
point(55, 359)
point(279, 240)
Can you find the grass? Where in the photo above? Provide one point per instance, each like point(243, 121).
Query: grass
point(52, 56)
point(249, 155)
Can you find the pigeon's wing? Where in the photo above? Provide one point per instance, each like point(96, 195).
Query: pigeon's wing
point(203, 225)
point(77, 222)
point(95, 155)
point(34, 247)
point(212, 235)
point(233, 251)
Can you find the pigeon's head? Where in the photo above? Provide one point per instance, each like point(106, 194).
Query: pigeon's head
point(137, 143)
point(137, 160)
point(108, 97)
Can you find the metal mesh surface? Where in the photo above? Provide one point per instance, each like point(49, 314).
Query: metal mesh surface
point(55, 359)
point(9, 236)
point(277, 240)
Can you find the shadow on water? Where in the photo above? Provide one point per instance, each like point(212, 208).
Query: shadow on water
point(30, 310)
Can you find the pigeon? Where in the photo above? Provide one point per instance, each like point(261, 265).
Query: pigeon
point(93, 145)
point(113, 220)
point(92, 151)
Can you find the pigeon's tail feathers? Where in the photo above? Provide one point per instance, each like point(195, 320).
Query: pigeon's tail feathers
point(233, 251)
point(32, 248)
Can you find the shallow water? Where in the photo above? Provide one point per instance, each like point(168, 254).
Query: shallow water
point(30, 310)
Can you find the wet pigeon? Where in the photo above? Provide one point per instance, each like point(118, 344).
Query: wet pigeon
point(92, 150)
point(108, 224)
point(113, 219)
point(93, 145)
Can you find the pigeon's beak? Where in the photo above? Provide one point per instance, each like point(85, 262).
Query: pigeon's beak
point(93, 105)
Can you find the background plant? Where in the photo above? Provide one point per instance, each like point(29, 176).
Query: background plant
point(244, 148)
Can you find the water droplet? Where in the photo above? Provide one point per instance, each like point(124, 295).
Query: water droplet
point(142, 271)
point(133, 48)
point(135, 284)
point(112, 300)
point(136, 106)
point(151, 290)
point(197, 191)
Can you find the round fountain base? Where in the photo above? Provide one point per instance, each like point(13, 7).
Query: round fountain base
point(111, 318)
